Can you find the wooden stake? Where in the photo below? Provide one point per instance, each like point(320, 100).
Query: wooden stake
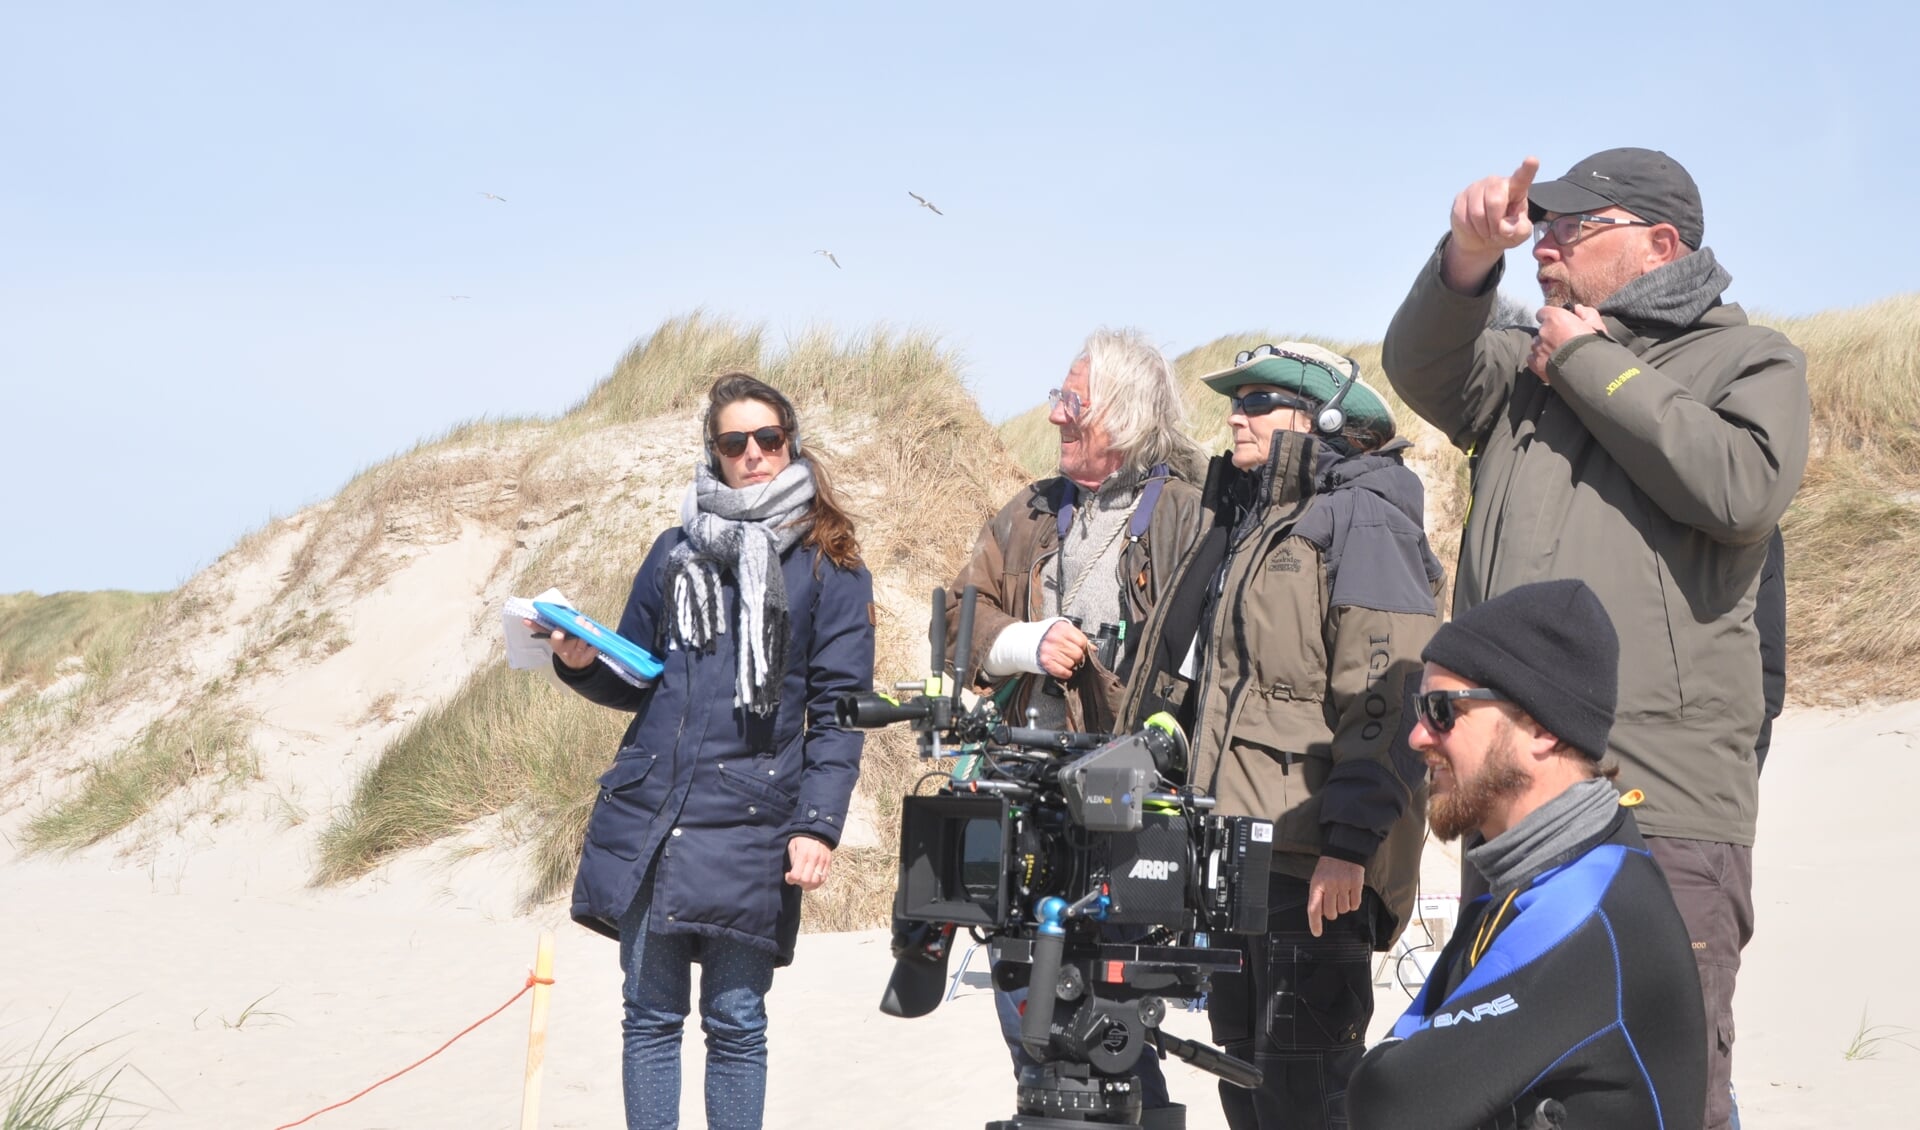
point(537, 1033)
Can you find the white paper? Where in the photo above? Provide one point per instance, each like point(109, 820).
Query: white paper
point(528, 652)
point(525, 651)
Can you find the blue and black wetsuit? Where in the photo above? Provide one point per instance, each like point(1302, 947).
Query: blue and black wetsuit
point(1577, 985)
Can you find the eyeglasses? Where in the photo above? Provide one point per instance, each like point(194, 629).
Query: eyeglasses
point(734, 444)
point(1075, 405)
point(1566, 229)
point(1246, 355)
point(1268, 400)
point(1436, 708)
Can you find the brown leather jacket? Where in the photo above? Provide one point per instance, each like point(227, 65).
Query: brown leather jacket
point(1009, 564)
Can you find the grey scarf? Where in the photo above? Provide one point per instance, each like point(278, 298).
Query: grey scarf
point(742, 531)
point(1548, 837)
point(1673, 295)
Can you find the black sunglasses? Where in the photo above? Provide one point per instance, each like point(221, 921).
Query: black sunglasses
point(1436, 708)
point(734, 444)
point(1268, 400)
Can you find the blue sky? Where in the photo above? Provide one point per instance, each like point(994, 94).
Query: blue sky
point(229, 231)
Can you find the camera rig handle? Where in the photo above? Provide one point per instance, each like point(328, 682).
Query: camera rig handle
point(1049, 945)
point(963, 640)
point(1211, 1059)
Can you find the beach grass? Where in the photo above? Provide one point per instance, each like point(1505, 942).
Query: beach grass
point(61, 1082)
point(205, 741)
point(43, 638)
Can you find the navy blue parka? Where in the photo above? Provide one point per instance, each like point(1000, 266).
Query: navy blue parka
point(709, 793)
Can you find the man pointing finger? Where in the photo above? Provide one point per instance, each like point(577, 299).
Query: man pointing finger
point(1646, 439)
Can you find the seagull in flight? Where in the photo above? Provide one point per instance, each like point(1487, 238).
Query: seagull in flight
point(829, 256)
point(491, 196)
point(925, 203)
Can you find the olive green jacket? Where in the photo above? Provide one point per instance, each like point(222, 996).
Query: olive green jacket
point(1309, 652)
point(1654, 467)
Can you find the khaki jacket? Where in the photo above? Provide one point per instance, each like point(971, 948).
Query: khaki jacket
point(1654, 468)
point(1312, 650)
point(1009, 565)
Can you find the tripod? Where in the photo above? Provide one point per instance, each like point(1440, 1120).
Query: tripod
point(1087, 1032)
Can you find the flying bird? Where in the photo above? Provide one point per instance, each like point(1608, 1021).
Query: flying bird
point(829, 256)
point(925, 203)
point(457, 297)
point(491, 196)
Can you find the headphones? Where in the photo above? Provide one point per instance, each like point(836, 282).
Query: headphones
point(1332, 418)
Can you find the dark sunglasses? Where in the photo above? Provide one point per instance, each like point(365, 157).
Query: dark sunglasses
point(734, 444)
point(1268, 400)
point(1436, 708)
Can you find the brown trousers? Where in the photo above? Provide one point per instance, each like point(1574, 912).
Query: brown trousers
point(1713, 887)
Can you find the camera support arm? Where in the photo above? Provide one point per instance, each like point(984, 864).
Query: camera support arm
point(1049, 944)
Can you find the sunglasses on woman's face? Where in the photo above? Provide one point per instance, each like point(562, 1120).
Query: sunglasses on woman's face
point(734, 444)
point(1267, 400)
point(1437, 709)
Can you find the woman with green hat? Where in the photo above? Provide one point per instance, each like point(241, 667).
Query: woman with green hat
point(1296, 628)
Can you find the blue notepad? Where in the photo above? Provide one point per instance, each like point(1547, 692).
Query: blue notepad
point(634, 659)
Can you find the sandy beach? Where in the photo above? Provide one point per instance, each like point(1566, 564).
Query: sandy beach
point(349, 985)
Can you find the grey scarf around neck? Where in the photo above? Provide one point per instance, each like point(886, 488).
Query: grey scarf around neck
point(1548, 836)
point(742, 531)
point(1673, 295)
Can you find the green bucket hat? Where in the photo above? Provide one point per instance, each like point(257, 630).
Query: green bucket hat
point(1313, 372)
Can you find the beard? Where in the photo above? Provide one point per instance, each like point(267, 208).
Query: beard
point(1597, 283)
point(1470, 802)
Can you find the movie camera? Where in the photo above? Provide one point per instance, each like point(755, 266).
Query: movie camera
point(1090, 871)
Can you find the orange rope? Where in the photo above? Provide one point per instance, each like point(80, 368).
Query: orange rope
point(531, 982)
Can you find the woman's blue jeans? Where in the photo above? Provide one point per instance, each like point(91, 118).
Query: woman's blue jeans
point(734, 979)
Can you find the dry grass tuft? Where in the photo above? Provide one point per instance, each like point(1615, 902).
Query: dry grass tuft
point(57, 1082)
point(204, 741)
point(39, 633)
point(419, 498)
point(506, 740)
point(669, 369)
point(1854, 529)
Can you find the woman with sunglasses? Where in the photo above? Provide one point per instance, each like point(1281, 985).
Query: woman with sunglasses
point(1315, 590)
point(731, 786)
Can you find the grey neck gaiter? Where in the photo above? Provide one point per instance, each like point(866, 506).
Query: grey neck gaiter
point(1673, 295)
point(1548, 836)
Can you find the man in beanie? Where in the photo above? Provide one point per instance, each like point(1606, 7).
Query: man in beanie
point(1645, 439)
point(1570, 984)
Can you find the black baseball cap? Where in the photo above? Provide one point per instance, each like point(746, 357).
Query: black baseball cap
point(1646, 182)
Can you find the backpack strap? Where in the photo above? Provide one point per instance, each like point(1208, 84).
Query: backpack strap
point(1063, 507)
point(1149, 498)
point(1157, 477)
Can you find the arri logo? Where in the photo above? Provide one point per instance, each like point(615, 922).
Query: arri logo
point(1153, 869)
point(1498, 1006)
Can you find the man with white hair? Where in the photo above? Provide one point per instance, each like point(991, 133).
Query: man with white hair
point(1090, 547)
point(1073, 565)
